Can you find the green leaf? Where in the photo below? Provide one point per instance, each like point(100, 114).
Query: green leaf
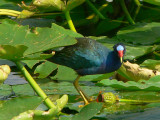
point(153, 2)
point(152, 64)
point(107, 25)
point(88, 111)
point(31, 63)
point(43, 115)
point(45, 69)
point(16, 52)
point(65, 73)
point(9, 4)
point(12, 52)
point(148, 15)
point(141, 33)
point(46, 38)
point(153, 84)
point(122, 72)
point(13, 107)
point(23, 90)
point(71, 4)
point(5, 90)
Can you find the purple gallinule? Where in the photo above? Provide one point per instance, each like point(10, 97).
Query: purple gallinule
point(88, 57)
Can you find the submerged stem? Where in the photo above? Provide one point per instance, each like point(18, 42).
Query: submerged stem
point(34, 85)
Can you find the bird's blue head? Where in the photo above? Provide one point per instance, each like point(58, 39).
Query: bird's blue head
point(120, 50)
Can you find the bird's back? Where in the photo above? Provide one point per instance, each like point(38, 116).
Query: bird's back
point(86, 57)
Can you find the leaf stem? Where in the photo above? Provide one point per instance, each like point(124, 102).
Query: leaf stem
point(34, 85)
point(137, 9)
point(9, 12)
point(130, 20)
point(140, 101)
point(137, 2)
point(95, 9)
point(69, 20)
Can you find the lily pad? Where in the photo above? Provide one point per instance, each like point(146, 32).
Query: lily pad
point(88, 111)
point(45, 38)
point(22, 104)
point(153, 84)
point(152, 64)
point(50, 67)
point(12, 52)
point(141, 33)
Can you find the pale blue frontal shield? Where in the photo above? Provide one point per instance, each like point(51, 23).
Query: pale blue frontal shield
point(120, 48)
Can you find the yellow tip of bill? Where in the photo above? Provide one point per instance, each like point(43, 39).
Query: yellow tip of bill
point(121, 59)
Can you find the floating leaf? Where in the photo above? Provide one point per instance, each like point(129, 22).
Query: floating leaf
point(45, 69)
point(46, 38)
point(88, 111)
point(152, 64)
point(7, 109)
point(43, 115)
point(31, 63)
point(16, 52)
point(153, 84)
point(141, 33)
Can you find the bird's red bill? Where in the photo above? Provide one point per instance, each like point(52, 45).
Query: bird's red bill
point(120, 53)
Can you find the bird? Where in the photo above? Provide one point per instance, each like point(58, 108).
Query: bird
point(89, 57)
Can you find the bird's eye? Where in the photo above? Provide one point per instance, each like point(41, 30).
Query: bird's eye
point(120, 48)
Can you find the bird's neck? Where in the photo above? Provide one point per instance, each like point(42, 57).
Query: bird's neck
point(112, 62)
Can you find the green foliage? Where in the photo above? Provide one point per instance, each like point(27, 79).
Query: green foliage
point(140, 33)
point(109, 22)
point(88, 111)
point(143, 85)
point(44, 39)
point(45, 69)
point(22, 104)
point(53, 5)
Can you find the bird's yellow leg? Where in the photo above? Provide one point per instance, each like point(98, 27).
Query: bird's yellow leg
point(83, 95)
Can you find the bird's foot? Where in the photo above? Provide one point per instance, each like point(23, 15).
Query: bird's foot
point(83, 105)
